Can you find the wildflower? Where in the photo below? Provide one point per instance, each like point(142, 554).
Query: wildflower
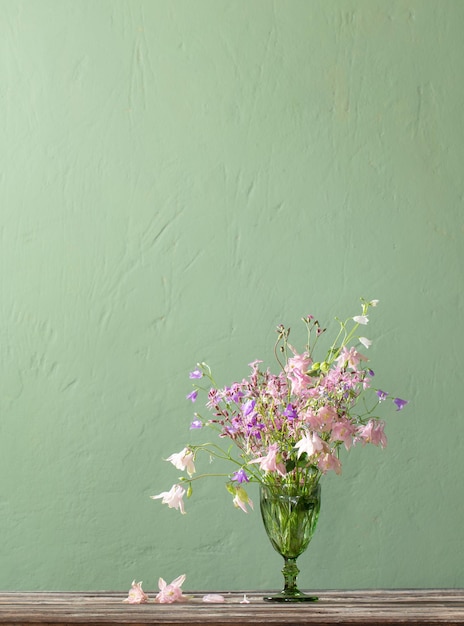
point(309, 443)
point(290, 412)
point(196, 423)
point(192, 395)
point(373, 432)
point(351, 358)
point(136, 594)
point(241, 499)
point(269, 462)
point(400, 403)
point(382, 395)
point(365, 342)
point(183, 460)
point(240, 476)
point(173, 498)
point(172, 592)
point(361, 319)
point(196, 374)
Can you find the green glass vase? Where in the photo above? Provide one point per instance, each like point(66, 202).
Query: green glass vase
point(290, 514)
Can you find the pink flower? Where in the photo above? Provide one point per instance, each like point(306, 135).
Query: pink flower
point(171, 593)
point(352, 357)
point(296, 369)
point(328, 462)
point(173, 498)
point(373, 432)
point(241, 499)
point(136, 594)
point(183, 460)
point(269, 462)
point(343, 430)
point(309, 443)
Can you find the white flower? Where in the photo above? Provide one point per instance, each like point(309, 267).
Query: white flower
point(365, 342)
point(361, 319)
point(183, 460)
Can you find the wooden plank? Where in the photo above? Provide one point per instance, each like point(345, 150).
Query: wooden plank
point(353, 608)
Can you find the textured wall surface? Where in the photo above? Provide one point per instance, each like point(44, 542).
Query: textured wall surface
point(176, 178)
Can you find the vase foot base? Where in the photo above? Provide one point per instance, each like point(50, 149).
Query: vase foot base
point(281, 597)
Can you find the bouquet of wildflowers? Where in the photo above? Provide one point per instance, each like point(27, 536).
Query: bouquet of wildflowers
point(287, 428)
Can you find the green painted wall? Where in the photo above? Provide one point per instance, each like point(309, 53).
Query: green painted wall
point(176, 178)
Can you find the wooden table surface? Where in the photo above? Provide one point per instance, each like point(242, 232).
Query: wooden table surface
point(379, 607)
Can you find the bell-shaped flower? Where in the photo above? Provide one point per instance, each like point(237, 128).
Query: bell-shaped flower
point(309, 443)
point(270, 462)
point(183, 460)
point(173, 498)
point(328, 462)
point(373, 432)
point(241, 499)
point(343, 430)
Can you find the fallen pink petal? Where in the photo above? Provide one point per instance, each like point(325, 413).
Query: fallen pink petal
point(213, 597)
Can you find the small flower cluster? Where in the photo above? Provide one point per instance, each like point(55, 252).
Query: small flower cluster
point(167, 593)
point(288, 428)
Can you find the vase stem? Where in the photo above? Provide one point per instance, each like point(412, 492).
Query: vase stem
point(290, 571)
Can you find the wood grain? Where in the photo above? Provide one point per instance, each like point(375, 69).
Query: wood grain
point(365, 607)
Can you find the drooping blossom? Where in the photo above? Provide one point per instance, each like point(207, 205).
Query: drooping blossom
point(269, 463)
point(400, 403)
point(196, 424)
point(192, 395)
point(240, 476)
point(183, 460)
point(196, 374)
point(361, 319)
point(309, 443)
point(241, 499)
point(136, 594)
point(382, 395)
point(373, 432)
point(367, 343)
point(172, 592)
point(343, 430)
point(327, 462)
point(173, 498)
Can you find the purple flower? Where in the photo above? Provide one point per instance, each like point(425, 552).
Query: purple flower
point(248, 407)
point(240, 476)
point(197, 423)
point(371, 372)
point(290, 412)
point(400, 403)
point(196, 374)
point(382, 395)
point(192, 395)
